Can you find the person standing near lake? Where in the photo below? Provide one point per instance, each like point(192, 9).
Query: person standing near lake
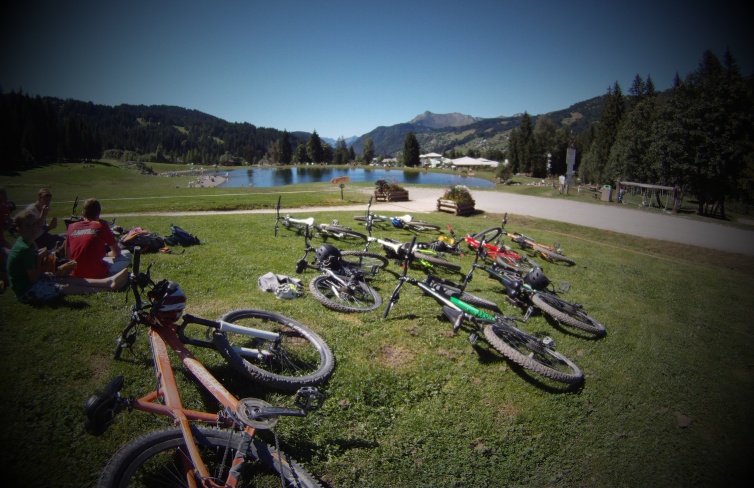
point(86, 244)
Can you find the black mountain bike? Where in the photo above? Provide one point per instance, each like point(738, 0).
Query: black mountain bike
point(532, 289)
point(343, 285)
point(535, 354)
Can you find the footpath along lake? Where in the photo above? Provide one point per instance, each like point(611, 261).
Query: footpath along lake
point(269, 177)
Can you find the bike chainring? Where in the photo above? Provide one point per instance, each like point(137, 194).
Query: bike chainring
point(248, 408)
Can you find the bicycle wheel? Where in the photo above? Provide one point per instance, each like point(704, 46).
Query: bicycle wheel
point(420, 225)
point(159, 459)
point(364, 259)
point(522, 266)
point(487, 235)
point(341, 232)
point(298, 358)
point(353, 299)
point(363, 218)
point(477, 301)
point(551, 255)
point(531, 353)
point(567, 313)
point(437, 261)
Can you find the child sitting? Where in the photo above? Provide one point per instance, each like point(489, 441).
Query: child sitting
point(28, 281)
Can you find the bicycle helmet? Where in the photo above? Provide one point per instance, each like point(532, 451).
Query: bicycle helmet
point(170, 303)
point(328, 255)
point(536, 279)
point(397, 223)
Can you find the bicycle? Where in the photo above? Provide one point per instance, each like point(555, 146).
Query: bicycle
point(532, 289)
point(497, 252)
point(526, 350)
point(551, 253)
point(398, 250)
point(399, 222)
point(188, 454)
point(342, 286)
point(325, 230)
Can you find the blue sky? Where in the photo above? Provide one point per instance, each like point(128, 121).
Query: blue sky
point(343, 68)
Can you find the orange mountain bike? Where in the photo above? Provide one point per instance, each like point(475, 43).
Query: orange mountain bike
point(203, 449)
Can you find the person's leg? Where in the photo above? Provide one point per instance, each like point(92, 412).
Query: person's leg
point(80, 286)
point(120, 263)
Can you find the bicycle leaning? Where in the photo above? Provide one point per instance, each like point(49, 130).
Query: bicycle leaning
point(343, 285)
point(205, 449)
point(528, 351)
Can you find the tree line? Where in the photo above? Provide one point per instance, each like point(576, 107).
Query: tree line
point(698, 136)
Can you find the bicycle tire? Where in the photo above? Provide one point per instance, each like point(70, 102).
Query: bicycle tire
point(150, 460)
point(341, 232)
point(363, 218)
point(437, 261)
point(567, 313)
point(302, 358)
point(364, 259)
point(551, 255)
point(420, 225)
point(528, 352)
point(356, 300)
point(522, 266)
point(488, 235)
point(469, 298)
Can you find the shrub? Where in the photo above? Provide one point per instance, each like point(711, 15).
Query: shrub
point(458, 194)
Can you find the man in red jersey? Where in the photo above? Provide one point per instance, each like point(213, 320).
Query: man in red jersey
point(86, 244)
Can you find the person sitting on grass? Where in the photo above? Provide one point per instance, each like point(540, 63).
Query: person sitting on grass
point(86, 244)
point(40, 208)
point(31, 285)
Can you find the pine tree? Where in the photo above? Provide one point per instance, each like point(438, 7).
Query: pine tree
point(285, 151)
point(314, 149)
point(368, 150)
point(411, 150)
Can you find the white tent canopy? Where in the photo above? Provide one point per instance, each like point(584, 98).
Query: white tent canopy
point(430, 156)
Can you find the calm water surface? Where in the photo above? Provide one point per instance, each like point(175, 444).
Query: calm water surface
point(268, 177)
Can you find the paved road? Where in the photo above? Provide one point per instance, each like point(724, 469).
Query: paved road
point(666, 227)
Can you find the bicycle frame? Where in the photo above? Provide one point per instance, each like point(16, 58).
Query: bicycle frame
point(246, 415)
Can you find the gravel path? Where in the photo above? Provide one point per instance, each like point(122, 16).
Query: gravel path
point(665, 227)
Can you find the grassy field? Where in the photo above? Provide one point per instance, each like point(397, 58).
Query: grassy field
point(666, 399)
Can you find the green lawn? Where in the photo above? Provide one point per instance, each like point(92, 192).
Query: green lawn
point(666, 400)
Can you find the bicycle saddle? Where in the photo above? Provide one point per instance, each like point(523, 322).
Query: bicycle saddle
point(309, 221)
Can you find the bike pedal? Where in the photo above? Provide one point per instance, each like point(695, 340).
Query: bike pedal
point(473, 338)
point(101, 408)
point(529, 311)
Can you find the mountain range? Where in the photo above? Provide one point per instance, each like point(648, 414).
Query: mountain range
point(442, 132)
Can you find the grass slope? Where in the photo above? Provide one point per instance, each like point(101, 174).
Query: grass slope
point(666, 400)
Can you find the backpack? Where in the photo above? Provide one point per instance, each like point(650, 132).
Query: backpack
point(147, 241)
point(180, 237)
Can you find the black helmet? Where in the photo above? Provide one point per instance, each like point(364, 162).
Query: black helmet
point(328, 255)
point(536, 279)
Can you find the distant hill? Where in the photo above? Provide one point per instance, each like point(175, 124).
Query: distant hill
point(439, 121)
point(442, 132)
